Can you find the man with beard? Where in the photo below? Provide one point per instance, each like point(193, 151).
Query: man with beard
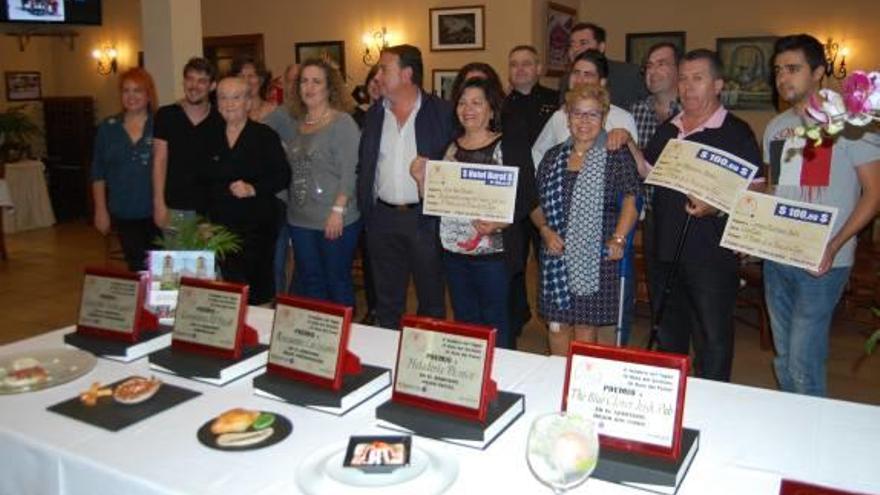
point(843, 172)
point(180, 130)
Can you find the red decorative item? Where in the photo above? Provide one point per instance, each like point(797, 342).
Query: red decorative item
point(347, 363)
point(144, 320)
point(816, 169)
point(790, 487)
point(649, 358)
point(245, 336)
point(489, 389)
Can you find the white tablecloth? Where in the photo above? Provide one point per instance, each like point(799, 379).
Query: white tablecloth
point(29, 197)
point(751, 438)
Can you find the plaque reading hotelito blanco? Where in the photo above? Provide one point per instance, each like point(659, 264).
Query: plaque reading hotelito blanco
point(470, 190)
point(310, 338)
point(709, 174)
point(111, 304)
point(444, 369)
point(210, 317)
point(781, 230)
point(635, 397)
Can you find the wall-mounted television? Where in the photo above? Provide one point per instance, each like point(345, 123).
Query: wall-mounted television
point(51, 11)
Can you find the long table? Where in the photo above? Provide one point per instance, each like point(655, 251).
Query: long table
point(750, 438)
point(29, 197)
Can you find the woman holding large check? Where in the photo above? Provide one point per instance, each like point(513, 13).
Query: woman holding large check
point(583, 222)
point(480, 256)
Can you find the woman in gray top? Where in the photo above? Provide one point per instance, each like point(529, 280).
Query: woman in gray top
point(321, 208)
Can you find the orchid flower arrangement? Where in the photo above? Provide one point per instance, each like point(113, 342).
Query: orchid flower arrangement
point(858, 105)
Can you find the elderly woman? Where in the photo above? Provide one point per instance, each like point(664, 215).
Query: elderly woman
point(122, 167)
point(481, 256)
point(590, 67)
point(583, 222)
point(324, 222)
point(245, 170)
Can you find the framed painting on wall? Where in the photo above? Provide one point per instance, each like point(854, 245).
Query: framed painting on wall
point(748, 81)
point(560, 19)
point(331, 51)
point(23, 86)
point(638, 44)
point(457, 28)
point(442, 82)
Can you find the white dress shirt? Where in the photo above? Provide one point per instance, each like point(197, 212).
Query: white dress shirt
point(556, 130)
point(397, 149)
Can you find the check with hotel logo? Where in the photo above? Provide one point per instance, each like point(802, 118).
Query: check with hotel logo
point(471, 191)
point(781, 230)
point(709, 174)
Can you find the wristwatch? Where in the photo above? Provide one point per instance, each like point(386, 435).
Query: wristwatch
point(338, 209)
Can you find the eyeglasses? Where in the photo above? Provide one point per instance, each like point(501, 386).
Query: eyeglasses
point(588, 116)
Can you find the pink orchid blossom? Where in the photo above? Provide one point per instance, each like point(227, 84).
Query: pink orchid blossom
point(856, 90)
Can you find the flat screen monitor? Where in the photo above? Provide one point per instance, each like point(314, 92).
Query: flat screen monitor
point(51, 11)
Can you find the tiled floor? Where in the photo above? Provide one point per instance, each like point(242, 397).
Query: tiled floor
point(40, 286)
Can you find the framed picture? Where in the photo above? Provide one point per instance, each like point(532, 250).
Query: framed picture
point(560, 19)
point(457, 28)
point(443, 79)
point(331, 51)
point(638, 44)
point(748, 81)
point(22, 86)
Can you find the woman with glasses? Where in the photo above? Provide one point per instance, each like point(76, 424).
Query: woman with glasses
point(583, 223)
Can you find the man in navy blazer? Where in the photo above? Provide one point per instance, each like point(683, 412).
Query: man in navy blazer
point(407, 122)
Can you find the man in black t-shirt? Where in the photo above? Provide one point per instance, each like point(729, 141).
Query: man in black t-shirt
point(703, 296)
point(179, 134)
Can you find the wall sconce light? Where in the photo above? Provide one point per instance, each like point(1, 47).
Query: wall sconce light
point(832, 51)
point(374, 43)
point(106, 58)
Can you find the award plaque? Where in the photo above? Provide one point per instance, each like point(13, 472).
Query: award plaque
point(635, 397)
point(310, 341)
point(112, 305)
point(210, 318)
point(445, 367)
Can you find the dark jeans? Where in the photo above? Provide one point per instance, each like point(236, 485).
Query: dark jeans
point(281, 244)
point(136, 237)
point(478, 287)
point(700, 307)
point(253, 265)
point(322, 268)
point(399, 245)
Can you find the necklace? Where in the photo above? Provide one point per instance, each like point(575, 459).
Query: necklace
point(316, 120)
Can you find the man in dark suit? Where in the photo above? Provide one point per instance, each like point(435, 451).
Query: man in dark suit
point(625, 82)
point(407, 122)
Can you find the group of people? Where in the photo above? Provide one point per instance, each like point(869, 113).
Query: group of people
point(330, 177)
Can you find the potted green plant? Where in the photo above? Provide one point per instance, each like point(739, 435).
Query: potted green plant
point(16, 130)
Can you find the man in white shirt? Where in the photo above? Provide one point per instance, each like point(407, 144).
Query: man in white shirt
point(590, 67)
point(407, 122)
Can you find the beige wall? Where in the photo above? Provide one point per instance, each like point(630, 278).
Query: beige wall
point(856, 22)
point(508, 23)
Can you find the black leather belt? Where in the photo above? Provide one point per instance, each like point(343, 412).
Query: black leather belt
point(406, 207)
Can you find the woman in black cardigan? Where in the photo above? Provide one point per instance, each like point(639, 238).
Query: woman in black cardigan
point(246, 168)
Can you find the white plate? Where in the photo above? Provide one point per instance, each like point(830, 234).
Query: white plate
point(61, 365)
point(428, 473)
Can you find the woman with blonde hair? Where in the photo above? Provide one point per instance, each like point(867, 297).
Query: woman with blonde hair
point(122, 185)
point(322, 214)
point(583, 222)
